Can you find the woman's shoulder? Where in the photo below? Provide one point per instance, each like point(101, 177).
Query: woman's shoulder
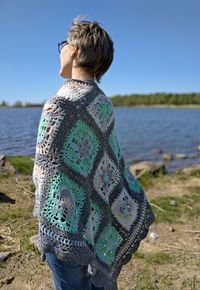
point(73, 92)
point(56, 103)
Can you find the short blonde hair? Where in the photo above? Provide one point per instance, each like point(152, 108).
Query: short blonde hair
point(95, 53)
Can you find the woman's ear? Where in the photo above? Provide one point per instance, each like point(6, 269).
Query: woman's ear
point(74, 51)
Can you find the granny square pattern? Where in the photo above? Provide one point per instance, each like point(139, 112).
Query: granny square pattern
point(48, 127)
point(64, 203)
point(125, 209)
point(106, 177)
point(114, 144)
point(133, 183)
point(101, 111)
point(107, 244)
point(80, 148)
point(90, 208)
point(93, 222)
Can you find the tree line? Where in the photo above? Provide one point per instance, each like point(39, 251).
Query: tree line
point(156, 99)
point(20, 104)
point(133, 100)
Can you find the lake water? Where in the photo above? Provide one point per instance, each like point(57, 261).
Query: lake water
point(141, 130)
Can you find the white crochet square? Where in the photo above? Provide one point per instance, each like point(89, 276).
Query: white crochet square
point(106, 177)
point(125, 209)
point(101, 110)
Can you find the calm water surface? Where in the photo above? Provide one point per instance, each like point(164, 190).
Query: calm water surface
point(140, 130)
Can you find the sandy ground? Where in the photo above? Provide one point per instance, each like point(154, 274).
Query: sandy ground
point(178, 241)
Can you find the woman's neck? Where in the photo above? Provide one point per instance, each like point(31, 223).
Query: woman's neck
point(79, 74)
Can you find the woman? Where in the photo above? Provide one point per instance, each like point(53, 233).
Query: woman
point(91, 210)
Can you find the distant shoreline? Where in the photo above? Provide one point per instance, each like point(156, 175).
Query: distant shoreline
point(130, 106)
point(151, 100)
point(165, 106)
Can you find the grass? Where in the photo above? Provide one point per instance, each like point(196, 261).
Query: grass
point(15, 213)
point(144, 280)
point(196, 173)
point(24, 227)
point(158, 258)
point(147, 275)
point(6, 174)
point(147, 278)
point(22, 163)
point(149, 179)
point(186, 205)
point(28, 232)
point(182, 176)
point(138, 255)
point(190, 283)
point(3, 264)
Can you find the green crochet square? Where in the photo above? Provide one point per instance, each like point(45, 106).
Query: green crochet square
point(104, 111)
point(64, 203)
point(42, 128)
point(132, 181)
point(107, 243)
point(80, 148)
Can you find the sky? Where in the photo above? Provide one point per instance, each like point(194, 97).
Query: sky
point(156, 43)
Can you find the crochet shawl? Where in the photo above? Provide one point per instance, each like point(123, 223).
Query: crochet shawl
point(90, 208)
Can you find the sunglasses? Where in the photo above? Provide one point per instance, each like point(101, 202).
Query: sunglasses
point(62, 44)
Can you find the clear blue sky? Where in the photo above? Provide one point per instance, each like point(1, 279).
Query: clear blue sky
point(157, 45)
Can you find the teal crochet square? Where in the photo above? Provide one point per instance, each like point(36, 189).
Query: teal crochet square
point(42, 128)
point(64, 203)
point(107, 244)
point(114, 144)
point(131, 180)
point(80, 148)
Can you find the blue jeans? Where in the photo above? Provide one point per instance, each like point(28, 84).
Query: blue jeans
point(69, 275)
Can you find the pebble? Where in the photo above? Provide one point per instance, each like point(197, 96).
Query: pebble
point(153, 235)
point(173, 202)
point(171, 229)
point(33, 240)
point(28, 255)
point(181, 156)
point(167, 157)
